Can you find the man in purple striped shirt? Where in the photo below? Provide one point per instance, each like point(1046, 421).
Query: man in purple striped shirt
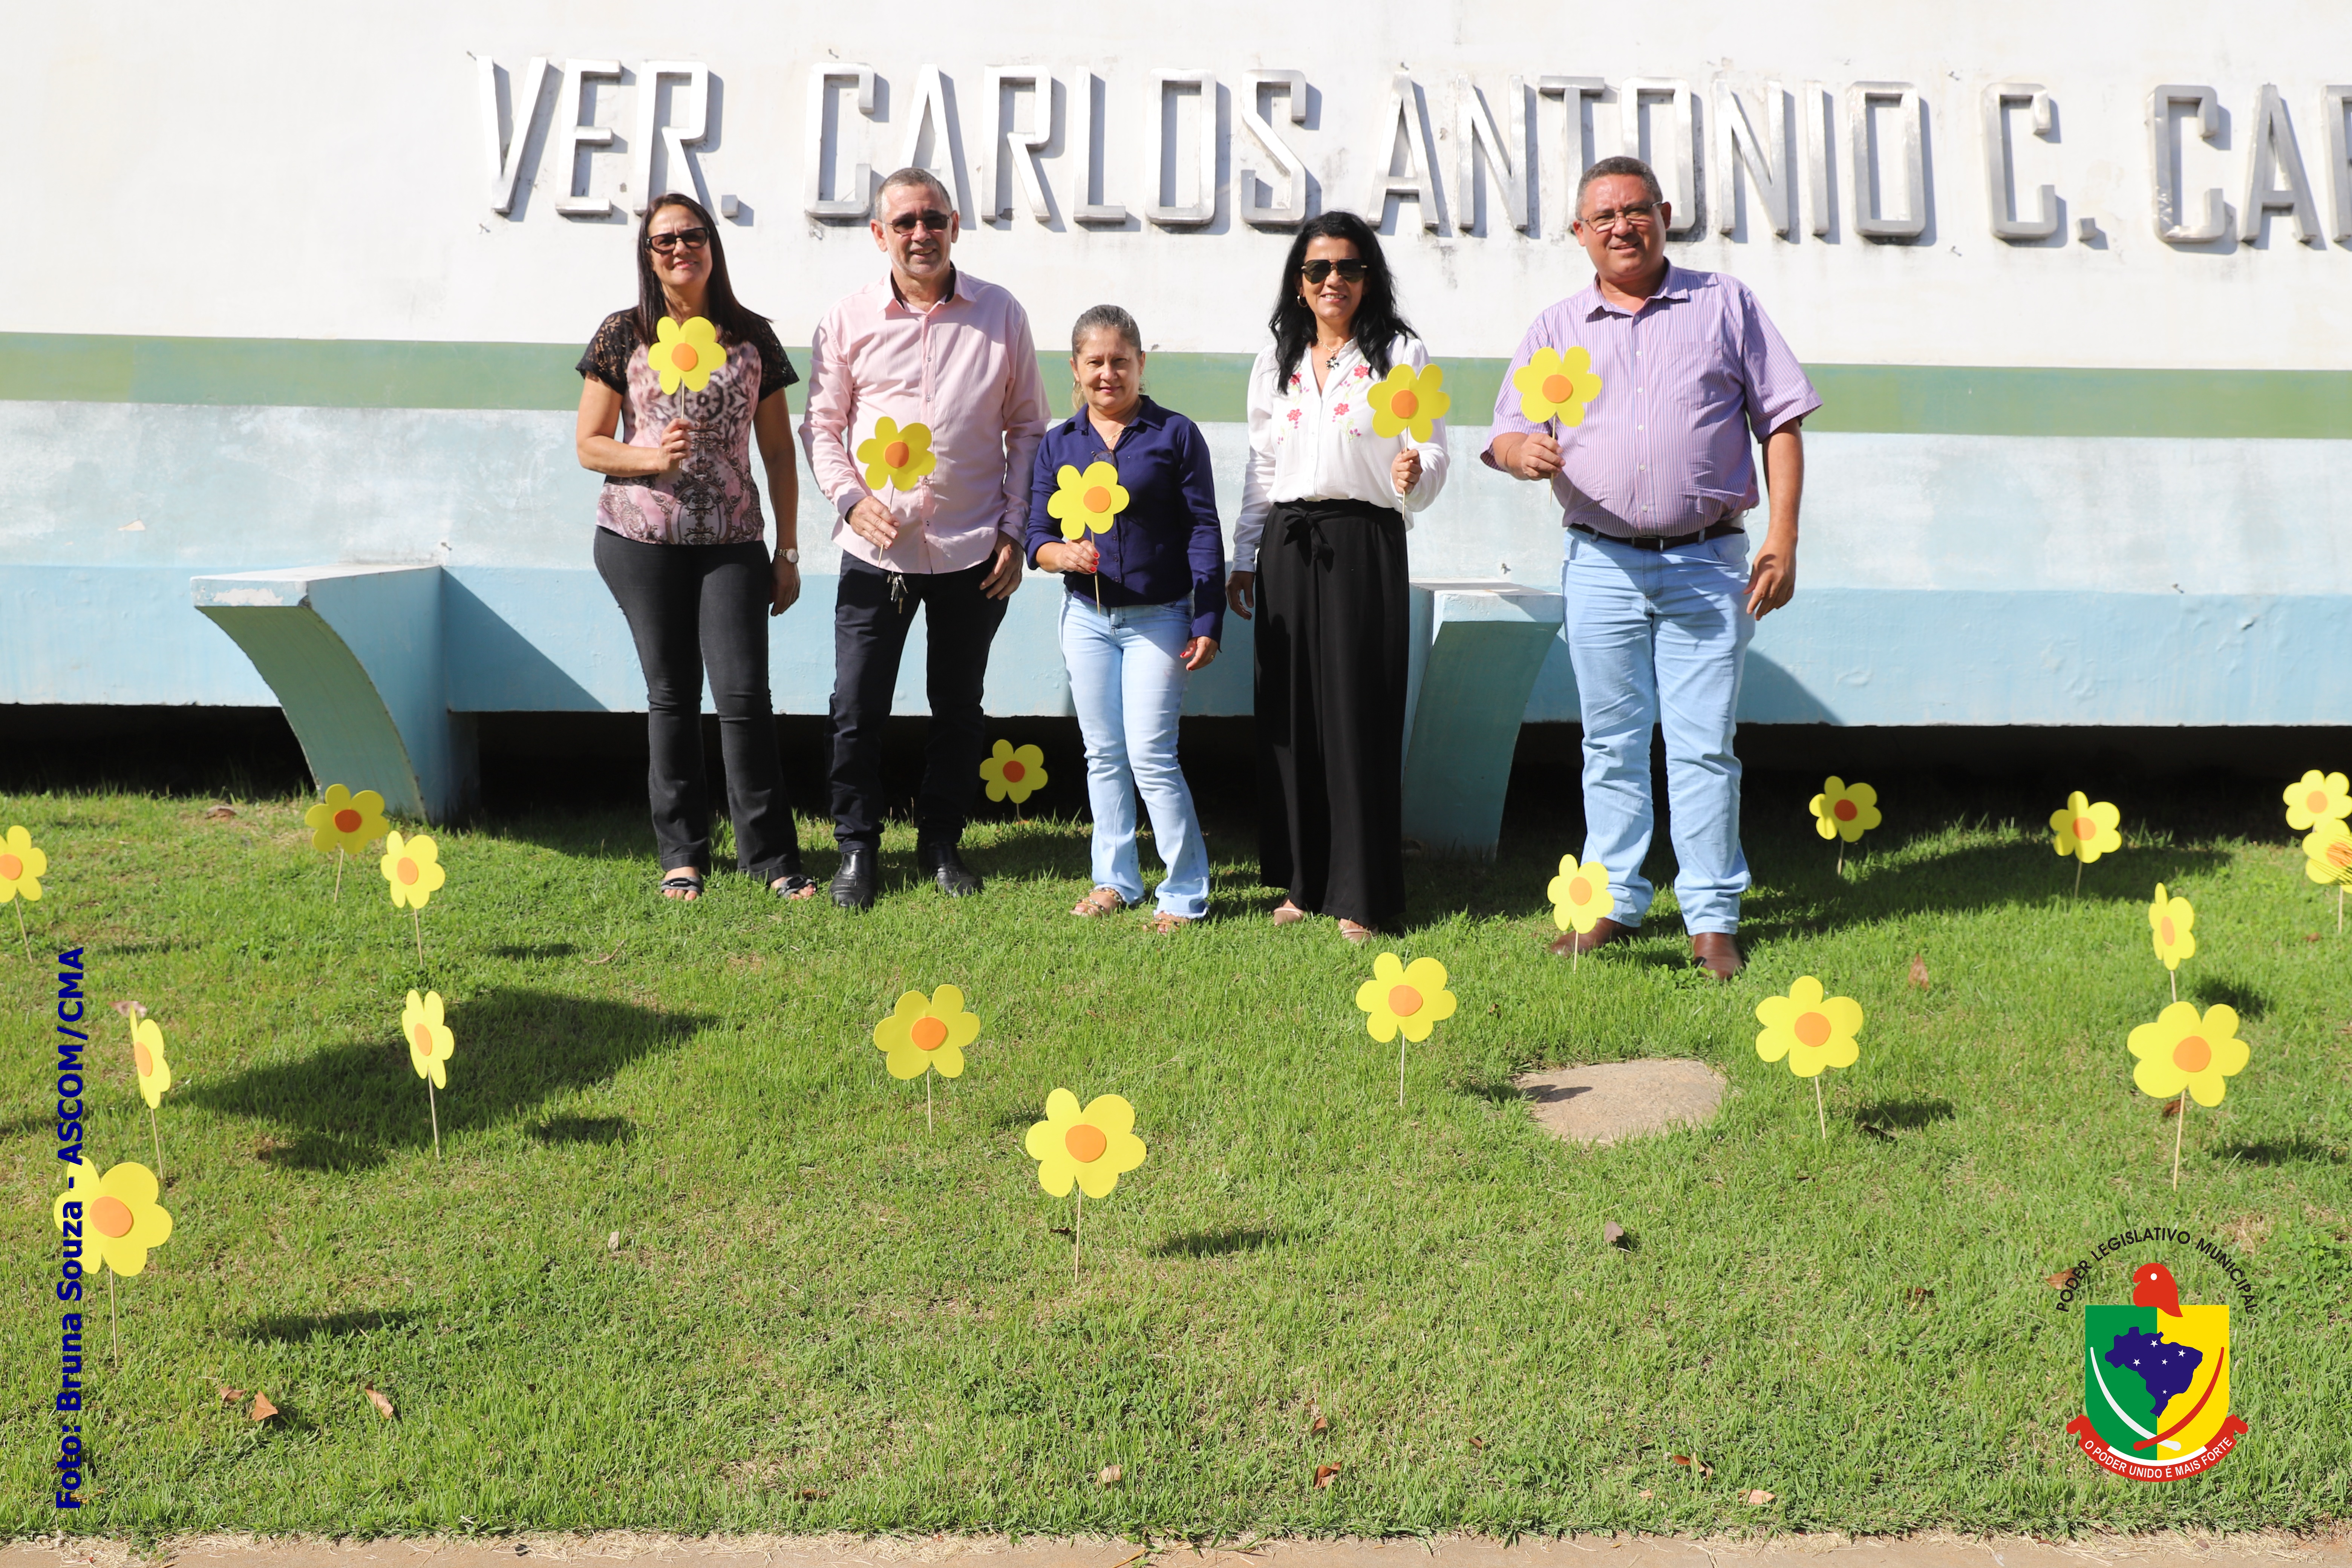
point(1636, 399)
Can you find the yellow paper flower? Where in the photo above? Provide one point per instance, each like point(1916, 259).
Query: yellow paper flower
point(1411, 997)
point(1015, 771)
point(345, 821)
point(2316, 798)
point(1844, 811)
point(2086, 829)
point(2181, 1050)
point(147, 1056)
point(2171, 924)
point(118, 1214)
point(1552, 386)
point(1812, 1030)
point(1403, 401)
point(896, 454)
point(1089, 500)
point(685, 354)
point(2327, 853)
point(413, 867)
point(923, 1033)
point(1091, 1147)
point(430, 1042)
point(1579, 895)
point(22, 867)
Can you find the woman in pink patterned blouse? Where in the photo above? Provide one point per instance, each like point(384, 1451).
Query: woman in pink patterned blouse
point(680, 541)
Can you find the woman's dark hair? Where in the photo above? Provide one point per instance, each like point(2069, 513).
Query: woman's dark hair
point(1378, 325)
point(1100, 319)
point(718, 302)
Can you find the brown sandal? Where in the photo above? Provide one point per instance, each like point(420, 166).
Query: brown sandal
point(1357, 934)
point(1163, 922)
point(1287, 913)
point(1101, 901)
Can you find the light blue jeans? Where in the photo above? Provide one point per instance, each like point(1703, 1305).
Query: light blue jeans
point(1127, 677)
point(1659, 637)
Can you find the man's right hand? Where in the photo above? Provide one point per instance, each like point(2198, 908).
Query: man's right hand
point(1241, 592)
point(872, 522)
point(1535, 457)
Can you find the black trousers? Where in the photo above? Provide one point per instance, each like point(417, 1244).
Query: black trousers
point(692, 607)
point(870, 619)
point(1332, 624)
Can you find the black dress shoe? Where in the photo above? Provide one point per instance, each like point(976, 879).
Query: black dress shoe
point(955, 879)
point(853, 885)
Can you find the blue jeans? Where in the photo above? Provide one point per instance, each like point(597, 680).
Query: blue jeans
point(1660, 636)
point(1127, 677)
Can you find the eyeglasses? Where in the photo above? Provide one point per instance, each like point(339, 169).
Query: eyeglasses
point(1349, 271)
point(930, 218)
point(1639, 215)
point(692, 238)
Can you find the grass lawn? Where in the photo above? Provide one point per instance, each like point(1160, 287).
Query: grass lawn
point(820, 1316)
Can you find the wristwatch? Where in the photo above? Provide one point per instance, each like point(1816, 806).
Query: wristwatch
point(793, 556)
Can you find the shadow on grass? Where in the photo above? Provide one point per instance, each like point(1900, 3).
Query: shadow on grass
point(2238, 997)
point(526, 951)
point(1887, 1118)
point(350, 1106)
point(295, 1329)
point(585, 1130)
point(1219, 1243)
point(2298, 1150)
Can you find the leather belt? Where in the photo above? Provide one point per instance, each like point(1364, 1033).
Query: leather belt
point(1662, 541)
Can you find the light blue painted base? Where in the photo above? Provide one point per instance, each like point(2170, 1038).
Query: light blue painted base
point(1477, 649)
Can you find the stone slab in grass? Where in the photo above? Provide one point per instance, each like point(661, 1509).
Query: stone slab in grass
point(1608, 1101)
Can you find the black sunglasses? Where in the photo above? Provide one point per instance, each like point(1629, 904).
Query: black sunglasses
point(692, 238)
point(1349, 271)
point(930, 218)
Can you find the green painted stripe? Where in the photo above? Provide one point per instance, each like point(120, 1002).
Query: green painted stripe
point(1890, 399)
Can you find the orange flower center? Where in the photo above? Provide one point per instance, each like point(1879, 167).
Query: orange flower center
point(1086, 1142)
point(929, 1034)
point(1403, 1001)
point(2167, 933)
point(2316, 800)
point(146, 1061)
point(111, 1216)
point(407, 872)
point(1845, 811)
point(1579, 890)
point(1556, 388)
point(895, 455)
point(2339, 852)
point(2085, 829)
point(1813, 1030)
point(1014, 772)
point(1405, 404)
point(11, 867)
point(423, 1037)
point(347, 821)
point(683, 356)
point(2192, 1054)
point(1097, 499)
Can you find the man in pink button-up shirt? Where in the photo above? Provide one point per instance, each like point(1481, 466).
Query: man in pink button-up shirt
point(931, 346)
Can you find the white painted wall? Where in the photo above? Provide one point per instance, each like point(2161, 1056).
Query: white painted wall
point(310, 170)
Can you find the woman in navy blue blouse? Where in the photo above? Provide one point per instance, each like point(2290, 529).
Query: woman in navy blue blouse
point(1144, 608)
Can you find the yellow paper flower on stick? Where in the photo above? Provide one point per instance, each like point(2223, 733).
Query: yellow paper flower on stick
point(1579, 895)
point(341, 820)
point(1093, 1147)
point(2317, 797)
point(2182, 1050)
point(22, 867)
point(1089, 500)
point(1553, 386)
point(896, 454)
point(1813, 1031)
point(430, 1042)
point(1018, 772)
point(2172, 922)
point(147, 1057)
point(1403, 401)
point(2084, 828)
point(685, 354)
point(413, 868)
point(1844, 811)
point(1403, 998)
point(2327, 853)
point(924, 1034)
point(117, 1213)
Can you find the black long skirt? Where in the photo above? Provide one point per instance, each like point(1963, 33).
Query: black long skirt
point(1332, 620)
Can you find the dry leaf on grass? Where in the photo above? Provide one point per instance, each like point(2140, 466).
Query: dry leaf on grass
point(262, 1409)
point(131, 1009)
point(1920, 1293)
point(220, 814)
point(2171, 1109)
point(383, 1405)
point(1612, 1232)
point(613, 1242)
point(2310, 936)
point(2062, 1280)
point(1109, 1475)
point(1325, 1475)
point(231, 1395)
point(1701, 1466)
point(1919, 971)
point(1646, 1492)
point(1758, 1498)
point(1322, 1423)
point(1478, 1442)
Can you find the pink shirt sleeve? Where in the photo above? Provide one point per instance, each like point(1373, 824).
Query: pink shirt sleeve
point(831, 409)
